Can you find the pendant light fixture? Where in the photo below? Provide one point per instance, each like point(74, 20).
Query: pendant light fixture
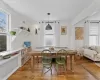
point(48, 27)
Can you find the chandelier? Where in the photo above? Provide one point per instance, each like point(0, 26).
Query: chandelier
point(48, 27)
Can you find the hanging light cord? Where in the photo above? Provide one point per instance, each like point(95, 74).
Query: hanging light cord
point(48, 17)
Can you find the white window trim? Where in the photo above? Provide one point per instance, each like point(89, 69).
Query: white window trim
point(94, 34)
point(8, 29)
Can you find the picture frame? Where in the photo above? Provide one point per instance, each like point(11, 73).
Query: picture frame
point(79, 33)
point(63, 30)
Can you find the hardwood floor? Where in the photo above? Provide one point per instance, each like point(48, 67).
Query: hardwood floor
point(93, 69)
point(24, 73)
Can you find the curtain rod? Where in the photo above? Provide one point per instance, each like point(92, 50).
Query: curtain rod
point(49, 22)
point(92, 21)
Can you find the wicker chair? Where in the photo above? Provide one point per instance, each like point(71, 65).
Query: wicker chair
point(61, 59)
point(46, 61)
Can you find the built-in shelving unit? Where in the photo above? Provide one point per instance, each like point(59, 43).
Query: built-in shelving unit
point(19, 32)
point(10, 65)
point(18, 58)
point(24, 55)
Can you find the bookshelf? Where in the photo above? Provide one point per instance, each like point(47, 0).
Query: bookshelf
point(24, 55)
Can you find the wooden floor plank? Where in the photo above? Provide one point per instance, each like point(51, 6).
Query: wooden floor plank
point(24, 73)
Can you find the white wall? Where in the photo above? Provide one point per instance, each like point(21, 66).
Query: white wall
point(60, 40)
point(65, 39)
point(16, 21)
point(37, 40)
point(86, 14)
point(95, 17)
point(94, 7)
point(77, 43)
point(80, 43)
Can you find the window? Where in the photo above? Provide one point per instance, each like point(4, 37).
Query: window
point(93, 33)
point(49, 38)
point(93, 40)
point(3, 31)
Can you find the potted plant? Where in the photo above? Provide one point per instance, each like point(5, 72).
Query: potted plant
point(12, 32)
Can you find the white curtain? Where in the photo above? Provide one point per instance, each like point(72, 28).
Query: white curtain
point(99, 32)
point(86, 33)
point(57, 34)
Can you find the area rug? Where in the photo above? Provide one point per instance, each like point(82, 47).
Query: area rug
point(92, 68)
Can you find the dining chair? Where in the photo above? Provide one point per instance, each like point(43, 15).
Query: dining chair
point(61, 59)
point(46, 60)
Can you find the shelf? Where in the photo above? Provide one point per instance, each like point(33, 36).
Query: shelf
point(19, 32)
point(24, 55)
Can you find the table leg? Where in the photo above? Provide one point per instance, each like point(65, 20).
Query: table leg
point(71, 62)
point(66, 63)
point(32, 63)
point(75, 58)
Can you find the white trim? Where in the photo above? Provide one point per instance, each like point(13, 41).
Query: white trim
point(8, 28)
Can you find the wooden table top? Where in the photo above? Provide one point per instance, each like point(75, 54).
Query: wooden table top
point(69, 52)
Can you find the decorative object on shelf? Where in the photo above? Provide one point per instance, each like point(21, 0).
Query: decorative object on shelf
point(27, 44)
point(7, 56)
point(28, 30)
point(24, 27)
point(63, 30)
point(48, 27)
point(36, 31)
point(12, 32)
point(79, 31)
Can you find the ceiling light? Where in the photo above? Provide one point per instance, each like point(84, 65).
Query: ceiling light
point(48, 27)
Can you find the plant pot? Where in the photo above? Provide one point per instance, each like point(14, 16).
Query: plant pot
point(12, 32)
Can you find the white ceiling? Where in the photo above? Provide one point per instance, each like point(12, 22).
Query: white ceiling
point(59, 9)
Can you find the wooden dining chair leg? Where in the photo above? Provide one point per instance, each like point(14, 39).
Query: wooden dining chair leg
point(51, 70)
point(66, 63)
point(65, 68)
point(37, 59)
point(57, 68)
point(42, 70)
point(32, 63)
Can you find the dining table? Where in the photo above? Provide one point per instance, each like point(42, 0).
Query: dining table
point(70, 53)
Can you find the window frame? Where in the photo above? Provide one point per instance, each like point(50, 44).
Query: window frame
point(97, 35)
point(8, 28)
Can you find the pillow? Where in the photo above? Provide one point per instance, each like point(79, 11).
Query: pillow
point(92, 47)
point(97, 48)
